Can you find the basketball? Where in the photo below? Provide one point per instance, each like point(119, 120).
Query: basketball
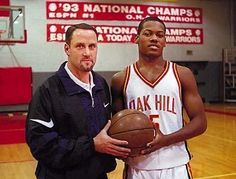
point(134, 127)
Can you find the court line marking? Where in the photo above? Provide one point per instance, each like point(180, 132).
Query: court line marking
point(216, 176)
point(19, 161)
point(220, 112)
point(220, 138)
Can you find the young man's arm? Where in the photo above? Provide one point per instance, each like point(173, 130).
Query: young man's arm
point(117, 85)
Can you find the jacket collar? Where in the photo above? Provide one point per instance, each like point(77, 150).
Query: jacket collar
point(71, 87)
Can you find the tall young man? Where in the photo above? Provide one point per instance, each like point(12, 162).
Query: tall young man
point(160, 89)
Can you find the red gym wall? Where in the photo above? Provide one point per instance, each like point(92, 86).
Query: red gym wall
point(15, 85)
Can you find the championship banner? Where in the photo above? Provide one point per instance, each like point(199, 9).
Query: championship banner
point(126, 34)
point(69, 10)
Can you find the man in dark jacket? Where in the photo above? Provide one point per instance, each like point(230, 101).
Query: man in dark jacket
point(68, 117)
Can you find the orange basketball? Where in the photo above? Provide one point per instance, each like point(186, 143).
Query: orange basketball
point(133, 126)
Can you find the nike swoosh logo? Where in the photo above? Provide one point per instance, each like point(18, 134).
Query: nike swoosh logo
point(49, 124)
point(105, 105)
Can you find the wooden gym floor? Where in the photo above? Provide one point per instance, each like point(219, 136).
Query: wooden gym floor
point(214, 152)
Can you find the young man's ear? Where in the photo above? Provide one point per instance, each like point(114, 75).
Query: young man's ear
point(165, 42)
point(136, 38)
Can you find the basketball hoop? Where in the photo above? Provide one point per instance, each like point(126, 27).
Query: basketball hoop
point(2, 38)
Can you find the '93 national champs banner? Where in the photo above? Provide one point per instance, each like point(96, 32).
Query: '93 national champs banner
point(104, 12)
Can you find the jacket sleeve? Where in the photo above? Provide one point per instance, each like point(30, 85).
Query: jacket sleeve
point(45, 143)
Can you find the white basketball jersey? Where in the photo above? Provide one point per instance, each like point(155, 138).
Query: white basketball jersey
point(161, 101)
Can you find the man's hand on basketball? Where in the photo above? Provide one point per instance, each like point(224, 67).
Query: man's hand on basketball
point(105, 144)
point(157, 143)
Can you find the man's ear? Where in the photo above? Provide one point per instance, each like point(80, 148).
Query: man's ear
point(136, 39)
point(66, 49)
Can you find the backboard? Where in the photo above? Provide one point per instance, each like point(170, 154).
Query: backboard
point(12, 25)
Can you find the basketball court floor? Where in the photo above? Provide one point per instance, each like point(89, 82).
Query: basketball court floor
point(214, 152)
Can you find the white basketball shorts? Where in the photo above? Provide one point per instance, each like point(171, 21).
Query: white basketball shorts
point(183, 172)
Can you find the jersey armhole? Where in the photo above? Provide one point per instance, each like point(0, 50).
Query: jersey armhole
point(126, 81)
point(177, 79)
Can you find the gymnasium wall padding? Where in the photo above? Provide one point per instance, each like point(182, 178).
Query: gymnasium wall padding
point(15, 85)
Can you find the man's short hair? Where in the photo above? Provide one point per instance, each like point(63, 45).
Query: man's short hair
point(140, 26)
point(72, 28)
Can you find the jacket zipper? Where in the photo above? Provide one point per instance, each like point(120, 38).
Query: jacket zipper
point(92, 100)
